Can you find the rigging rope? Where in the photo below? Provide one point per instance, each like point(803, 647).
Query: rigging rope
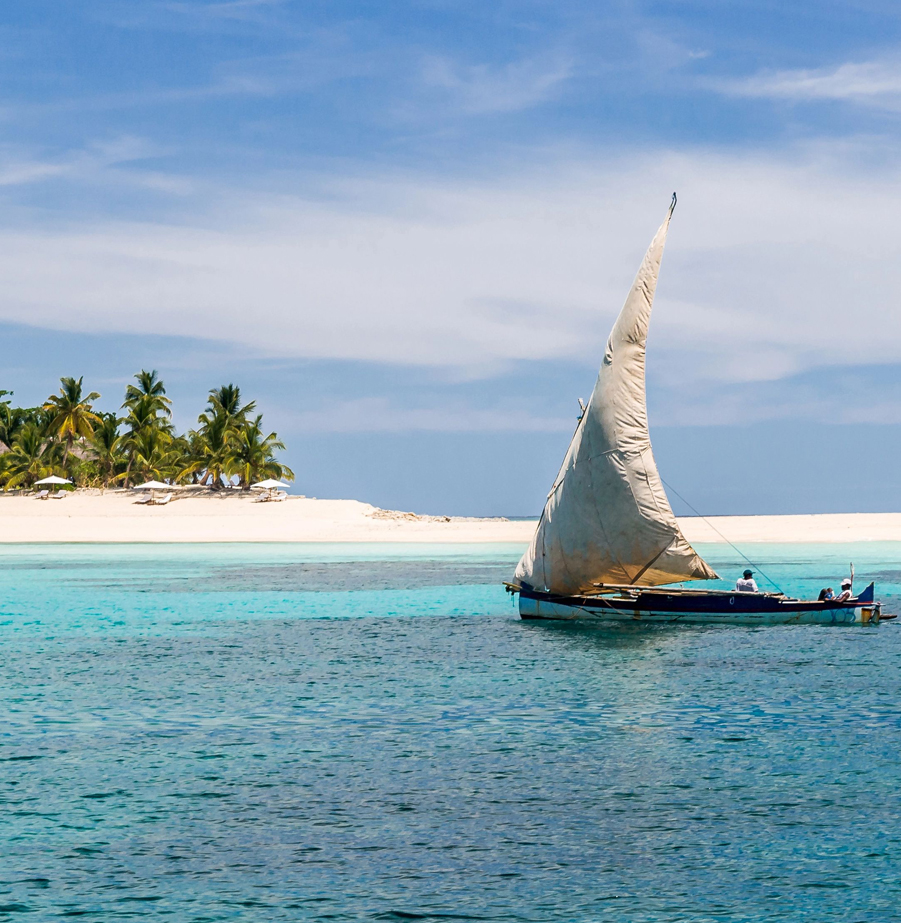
point(723, 537)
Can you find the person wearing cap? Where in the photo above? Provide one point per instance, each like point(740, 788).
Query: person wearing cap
point(747, 584)
point(845, 594)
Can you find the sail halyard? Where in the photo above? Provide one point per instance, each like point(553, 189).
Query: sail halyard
point(607, 519)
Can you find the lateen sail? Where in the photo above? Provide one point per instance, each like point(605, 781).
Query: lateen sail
point(607, 519)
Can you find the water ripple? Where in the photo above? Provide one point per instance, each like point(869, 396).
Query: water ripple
point(301, 743)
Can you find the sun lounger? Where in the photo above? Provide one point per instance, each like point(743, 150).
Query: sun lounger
point(271, 495)
point(58, 495)
point(145, 499)
point(43, 495)
point(163, 500)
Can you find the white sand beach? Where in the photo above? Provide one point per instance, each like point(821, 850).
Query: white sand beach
point(803, 529)
point(230, 516)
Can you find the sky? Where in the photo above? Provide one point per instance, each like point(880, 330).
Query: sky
point(405, 229)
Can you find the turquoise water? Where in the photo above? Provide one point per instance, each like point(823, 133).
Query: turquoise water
point(274, 733)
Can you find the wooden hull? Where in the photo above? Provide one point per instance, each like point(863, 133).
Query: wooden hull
point(697, 608)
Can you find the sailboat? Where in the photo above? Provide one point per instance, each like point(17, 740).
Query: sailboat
point(608, 546)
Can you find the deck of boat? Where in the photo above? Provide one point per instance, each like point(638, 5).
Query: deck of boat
point(670, 604)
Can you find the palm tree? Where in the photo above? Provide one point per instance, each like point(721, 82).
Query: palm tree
point(220, 425)
point(4, 406)
point(252, 455)
point(153, 456)
point(16, 418)
point(193, 457)
point(107, 449)
point(225, 401)
point(71, 415)
point(212, 444)
point(31, 457)
point(147, 421)
point(152, 387)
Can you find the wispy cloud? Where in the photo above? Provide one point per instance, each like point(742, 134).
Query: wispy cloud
point(484, 89)
point(19, 171)
point(300, 71)
point(230, 9)
point(110, 161)
point(191, 15)
point(775, 266)
point(874, 83)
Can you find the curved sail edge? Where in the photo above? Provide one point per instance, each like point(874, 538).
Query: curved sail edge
point(607, 519)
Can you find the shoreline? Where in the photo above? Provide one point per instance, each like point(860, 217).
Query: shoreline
point(111, 517)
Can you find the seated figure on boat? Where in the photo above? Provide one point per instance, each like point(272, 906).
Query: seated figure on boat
point(826, 594)
point(845, 594)
point(747, 583)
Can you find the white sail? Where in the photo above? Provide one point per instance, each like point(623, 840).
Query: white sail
point(607, 519)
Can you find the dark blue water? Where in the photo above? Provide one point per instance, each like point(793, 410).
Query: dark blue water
point(284, 733)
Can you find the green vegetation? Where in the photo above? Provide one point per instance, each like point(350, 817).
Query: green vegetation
point(67, 436)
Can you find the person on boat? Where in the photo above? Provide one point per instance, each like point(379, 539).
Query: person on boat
point(747, 584)
point(826, 594)
point(845, 594)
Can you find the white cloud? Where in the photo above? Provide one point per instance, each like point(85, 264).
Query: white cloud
point(483, 89)
point(107, 162)
point(188, 14)
point(871, 83)
point(773, 266)
point(230, 9)
point(17, 172)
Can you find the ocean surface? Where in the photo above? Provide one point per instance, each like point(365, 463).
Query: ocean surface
point(281, 733)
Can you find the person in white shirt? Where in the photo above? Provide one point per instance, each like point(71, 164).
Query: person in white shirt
point(845, 594)
point(747, 584)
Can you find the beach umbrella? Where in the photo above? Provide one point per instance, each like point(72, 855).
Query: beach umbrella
point(154, 485)
point(53, 479)
point(268, 484)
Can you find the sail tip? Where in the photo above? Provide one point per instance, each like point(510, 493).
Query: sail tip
point(672, 206)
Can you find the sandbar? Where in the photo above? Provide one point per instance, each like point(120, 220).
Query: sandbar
point(232, 516)
point(87, 516)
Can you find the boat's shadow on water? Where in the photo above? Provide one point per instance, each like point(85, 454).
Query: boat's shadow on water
point(609, 635)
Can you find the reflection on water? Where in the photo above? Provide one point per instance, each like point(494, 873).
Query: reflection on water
point(308, 737)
